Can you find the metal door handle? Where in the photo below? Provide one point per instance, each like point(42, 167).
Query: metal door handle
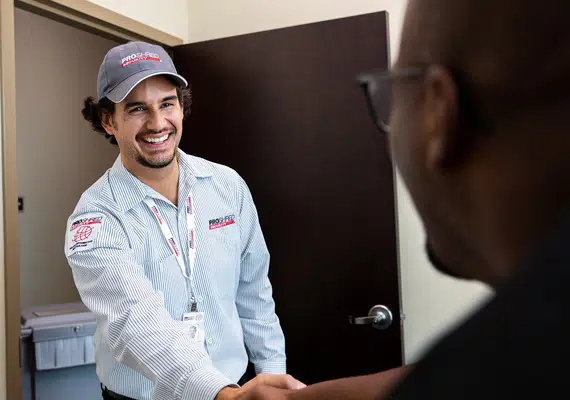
point(380, 317)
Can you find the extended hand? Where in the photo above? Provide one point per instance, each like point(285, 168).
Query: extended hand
point(263, 386)
point(367, 387)
point(263, 392)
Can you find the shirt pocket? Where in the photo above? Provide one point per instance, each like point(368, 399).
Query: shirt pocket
point(166, 278)
point(223, 257)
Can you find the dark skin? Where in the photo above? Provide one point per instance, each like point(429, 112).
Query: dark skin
point(357, 388)
point(486, 195)
point(481, 141)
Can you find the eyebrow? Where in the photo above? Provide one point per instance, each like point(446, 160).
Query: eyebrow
point(140, 103)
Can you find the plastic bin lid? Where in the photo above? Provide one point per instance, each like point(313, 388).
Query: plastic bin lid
point(56, 314)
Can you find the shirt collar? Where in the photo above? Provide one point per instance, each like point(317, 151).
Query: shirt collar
point(130, 191)
point(194, 165)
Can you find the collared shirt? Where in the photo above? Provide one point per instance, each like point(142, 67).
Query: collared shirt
point(127, 275)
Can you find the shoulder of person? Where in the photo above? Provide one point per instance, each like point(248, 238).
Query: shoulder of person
point(215, 170)
point(97, 199)
point(96, 211)
point(98, 195)
point(92, 225)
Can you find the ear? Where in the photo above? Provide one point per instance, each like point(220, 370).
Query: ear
point(108, 123)
point(440, 118)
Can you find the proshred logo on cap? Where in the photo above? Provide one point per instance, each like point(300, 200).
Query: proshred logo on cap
point(136, 57)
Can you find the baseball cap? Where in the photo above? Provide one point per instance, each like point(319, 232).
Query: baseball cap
point(127, 65)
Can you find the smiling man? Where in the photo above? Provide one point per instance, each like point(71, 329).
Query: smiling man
point(166, 249)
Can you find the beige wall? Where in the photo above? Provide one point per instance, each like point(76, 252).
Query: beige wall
point(431, 303)
point(58, 155)
point(169, 16)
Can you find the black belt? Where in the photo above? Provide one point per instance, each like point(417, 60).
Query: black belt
point(114, 395)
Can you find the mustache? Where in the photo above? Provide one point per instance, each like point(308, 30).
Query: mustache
point(155, 132)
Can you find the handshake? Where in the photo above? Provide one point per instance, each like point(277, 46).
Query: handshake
point(263, 387)
point(285, 387)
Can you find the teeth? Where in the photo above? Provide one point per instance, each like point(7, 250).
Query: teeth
point(156, 140)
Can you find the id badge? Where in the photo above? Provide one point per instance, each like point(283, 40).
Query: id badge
point(194, 321)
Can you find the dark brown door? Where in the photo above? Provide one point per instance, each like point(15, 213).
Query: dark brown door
point(282, 107)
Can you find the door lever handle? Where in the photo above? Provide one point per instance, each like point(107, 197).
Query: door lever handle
point(380, 317)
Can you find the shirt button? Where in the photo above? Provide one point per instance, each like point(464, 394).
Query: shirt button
point(210, 340)
point(200, 299)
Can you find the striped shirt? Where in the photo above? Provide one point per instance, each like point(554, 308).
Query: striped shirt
point(127, 275)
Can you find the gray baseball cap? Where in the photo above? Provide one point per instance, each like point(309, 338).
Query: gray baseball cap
point(127, 65)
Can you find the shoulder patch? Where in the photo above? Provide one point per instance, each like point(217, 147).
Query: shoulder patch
point(82, 231)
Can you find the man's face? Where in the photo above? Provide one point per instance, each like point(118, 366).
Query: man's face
point(148, 123)
point(423, 142)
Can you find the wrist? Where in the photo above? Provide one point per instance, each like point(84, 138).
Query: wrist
point(228, 393)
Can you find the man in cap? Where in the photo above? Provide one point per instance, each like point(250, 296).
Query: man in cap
point(166, 249)
point(479, 132)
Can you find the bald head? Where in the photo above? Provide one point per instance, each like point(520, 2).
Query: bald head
point(481, 137)
point(511, 54)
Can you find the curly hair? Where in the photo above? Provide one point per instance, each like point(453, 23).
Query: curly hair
point(93, 111)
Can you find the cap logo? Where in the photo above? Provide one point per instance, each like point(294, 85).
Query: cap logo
point(136, 57)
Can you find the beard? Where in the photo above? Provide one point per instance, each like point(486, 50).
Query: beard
point(155, 164)
point(160, 163)
point(439, 264)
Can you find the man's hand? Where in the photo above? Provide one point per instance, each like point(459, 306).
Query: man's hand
point(259, 385)
point(376, 386)
point(262, 392)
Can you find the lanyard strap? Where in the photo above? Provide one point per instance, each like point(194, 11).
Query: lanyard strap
point(191, 224)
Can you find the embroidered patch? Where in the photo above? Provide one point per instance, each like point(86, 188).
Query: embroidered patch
point(136, 57)
point(221, 222)
point(82, 231)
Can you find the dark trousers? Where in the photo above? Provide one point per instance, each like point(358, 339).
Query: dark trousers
point(108, 395)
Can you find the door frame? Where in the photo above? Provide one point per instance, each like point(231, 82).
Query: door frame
point(86, 16)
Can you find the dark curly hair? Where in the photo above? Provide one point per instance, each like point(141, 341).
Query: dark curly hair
point(93, 111)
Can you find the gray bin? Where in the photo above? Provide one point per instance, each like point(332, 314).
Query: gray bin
point(58, 353)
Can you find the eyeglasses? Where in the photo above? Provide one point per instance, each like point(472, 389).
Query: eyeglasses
point(377, 87)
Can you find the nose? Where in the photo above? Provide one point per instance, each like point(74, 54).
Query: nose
point(156, 121)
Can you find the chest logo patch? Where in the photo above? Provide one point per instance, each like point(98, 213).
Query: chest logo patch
point(222, 222)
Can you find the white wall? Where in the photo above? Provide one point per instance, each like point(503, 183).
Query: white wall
point(58, 155)
point(169, 16)
point(431, 302)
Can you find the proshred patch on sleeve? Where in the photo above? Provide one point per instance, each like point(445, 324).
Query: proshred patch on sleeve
point(82, 231)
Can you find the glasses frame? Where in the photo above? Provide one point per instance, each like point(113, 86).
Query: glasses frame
point(367, 80)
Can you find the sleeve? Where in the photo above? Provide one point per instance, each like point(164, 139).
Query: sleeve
point(131, 314)
point(263, 335)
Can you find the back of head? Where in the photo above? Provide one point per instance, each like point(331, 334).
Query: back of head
point(480, 137)
point(512, 54)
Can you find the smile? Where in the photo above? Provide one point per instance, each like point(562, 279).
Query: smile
point(157, 140)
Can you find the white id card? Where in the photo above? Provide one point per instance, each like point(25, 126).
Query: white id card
point(195, 323)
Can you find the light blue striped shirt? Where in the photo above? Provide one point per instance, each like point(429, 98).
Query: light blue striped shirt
point(127, 275)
